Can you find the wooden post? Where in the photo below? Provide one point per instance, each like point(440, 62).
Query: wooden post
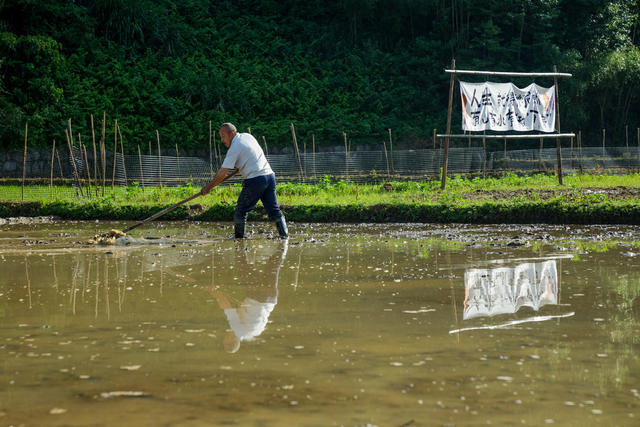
point(115, 150)
point(295, 148)
point(558, 145)
point(103, 151)
point(210, 153)
point(141, 170)
point(434, 139)
point(638, 130)
point(124, 168)
point(604, 137)
point(249, 130)
point(24, 157)
point(159, 159)
point(393, 169)
point(53, 152)
point(95, 157)
point(73, 161)
point(445, 158)
point(150, 150)
point(264, 141)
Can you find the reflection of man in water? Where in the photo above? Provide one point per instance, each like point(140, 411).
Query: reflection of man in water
point(248, 318)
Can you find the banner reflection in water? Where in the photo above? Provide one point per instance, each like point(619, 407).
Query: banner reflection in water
point(489, 292)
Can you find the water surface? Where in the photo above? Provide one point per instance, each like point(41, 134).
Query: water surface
point(344, 325)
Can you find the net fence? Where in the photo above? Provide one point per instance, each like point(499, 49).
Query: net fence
point(64, 174)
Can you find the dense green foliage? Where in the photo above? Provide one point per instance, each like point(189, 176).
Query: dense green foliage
point(359, 66)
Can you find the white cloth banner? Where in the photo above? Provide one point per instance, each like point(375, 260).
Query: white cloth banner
point(505, 107)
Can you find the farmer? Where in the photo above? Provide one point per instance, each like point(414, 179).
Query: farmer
point(246, 156)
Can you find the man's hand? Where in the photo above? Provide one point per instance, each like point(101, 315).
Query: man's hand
point(220, 177)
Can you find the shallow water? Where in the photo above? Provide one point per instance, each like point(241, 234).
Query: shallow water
point(379, 324)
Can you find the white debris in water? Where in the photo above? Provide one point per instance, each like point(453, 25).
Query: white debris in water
point(107, 395)
point(602, 355)
point(570, 403)
point(287, 387)
point(193, 331)
point(534, 356)
point(189, 344)
point(598, 319)
point(504, 378)
point(131, 367)
point(596, 411)
point(57, 411)
point(299, 347)
point(422, 310)
point(396, 364)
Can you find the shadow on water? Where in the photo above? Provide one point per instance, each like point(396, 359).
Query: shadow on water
point(348, 325)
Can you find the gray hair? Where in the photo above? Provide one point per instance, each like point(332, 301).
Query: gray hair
point(228, 127)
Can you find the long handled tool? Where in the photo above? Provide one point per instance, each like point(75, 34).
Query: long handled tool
point(110, 237)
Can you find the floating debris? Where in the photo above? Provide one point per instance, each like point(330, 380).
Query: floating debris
point(57, 411)
point(106, 238)
point(111, 394)
point(131, 367)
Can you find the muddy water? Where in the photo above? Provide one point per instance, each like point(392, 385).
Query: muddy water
point(349, 325)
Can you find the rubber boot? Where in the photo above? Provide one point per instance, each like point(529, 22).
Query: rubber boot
point(239, 230)
point(281, 225)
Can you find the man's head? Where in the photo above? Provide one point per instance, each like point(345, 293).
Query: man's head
point(227, 131)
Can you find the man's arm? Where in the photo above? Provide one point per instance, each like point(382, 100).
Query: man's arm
point(221, 176)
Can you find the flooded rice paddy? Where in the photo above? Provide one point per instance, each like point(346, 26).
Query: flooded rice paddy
point(349, 325)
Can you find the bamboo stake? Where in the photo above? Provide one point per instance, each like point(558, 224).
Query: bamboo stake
point(59, 164)
point(115, 150)
point(626, 133)
point(540, 154)
point(393, 168)
point(141, 170)
point(53, 153)
point(638, 130)
point(346, 155)
point(384, 144)
point(73, 160)
point(484, 155)
point(83, 152)
point(295, 147)
point(210, 154)
point(124, 168)
point(313, 150)
point(580, 149)
point(95, 157)
point(178, 161)
point(604, 136)
point(159, 159)
point(266, 149)
point(434, 139)
point(103, 151)
point(150, 151)
point(24, 157)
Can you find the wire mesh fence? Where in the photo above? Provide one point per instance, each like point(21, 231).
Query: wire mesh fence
point(77, 173)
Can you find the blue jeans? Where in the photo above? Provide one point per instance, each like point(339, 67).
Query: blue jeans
point(254, 189)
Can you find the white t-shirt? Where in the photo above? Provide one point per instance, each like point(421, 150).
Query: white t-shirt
point(249, 320)
point(246, 155)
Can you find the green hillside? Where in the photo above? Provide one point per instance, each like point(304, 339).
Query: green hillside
point(359, 66)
